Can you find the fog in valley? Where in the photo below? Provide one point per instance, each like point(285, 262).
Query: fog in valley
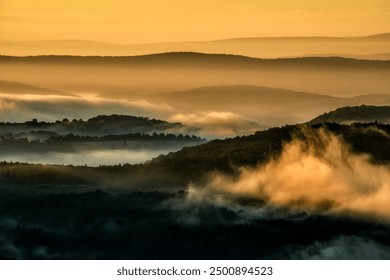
point(223, 95)
point(88, 157)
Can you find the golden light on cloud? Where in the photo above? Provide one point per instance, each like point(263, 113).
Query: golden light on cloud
point(323, 175)
point(121, 21)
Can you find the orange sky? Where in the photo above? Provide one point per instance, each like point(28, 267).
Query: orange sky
point(130, 21)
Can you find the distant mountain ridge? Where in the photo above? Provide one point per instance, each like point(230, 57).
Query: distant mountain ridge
point(373, 36)
point(264, 47)
point(16, 88)
point(379, 36)
point(196, 61)
point(159, 73)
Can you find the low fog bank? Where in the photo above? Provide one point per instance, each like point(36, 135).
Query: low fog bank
point(92, 158)
point(341, 248)
point(217, 112)
point(208, 124)
point(24, 107)
point(214, 124)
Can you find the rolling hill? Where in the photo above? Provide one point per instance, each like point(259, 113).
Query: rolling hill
point(101, 140)
point(170, 72)
point(98, 126)
point(363, 114)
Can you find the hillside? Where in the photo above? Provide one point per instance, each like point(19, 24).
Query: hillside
point(226, 155)
point(363, 114)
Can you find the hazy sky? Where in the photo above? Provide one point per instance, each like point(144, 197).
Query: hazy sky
point(135, 21)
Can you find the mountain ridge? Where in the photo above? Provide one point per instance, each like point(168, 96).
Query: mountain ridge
point(100, 125)
point(376, 35)
point(266, 47)
point(13, 87)
point(344, 61)
point(350, 114)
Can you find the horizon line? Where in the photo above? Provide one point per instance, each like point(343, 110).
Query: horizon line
point(200, 41)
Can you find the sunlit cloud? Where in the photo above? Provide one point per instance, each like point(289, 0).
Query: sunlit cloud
point(24, 107)
point(320, 175)
point(88, 157)
point(7, 105)
point(218, 123)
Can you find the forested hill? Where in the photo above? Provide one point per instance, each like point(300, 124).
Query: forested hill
point(99, 126)
point(370, 138)
point(355, 114)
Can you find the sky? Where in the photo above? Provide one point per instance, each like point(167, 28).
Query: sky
point(134, 21)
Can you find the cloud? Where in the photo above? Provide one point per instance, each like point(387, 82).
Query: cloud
point(218, 123)
point(7, 248)
point(316, 175)
point(377, 130)
point(88, 157)
point(341, 248)
point(24, 107)
point(7, 105)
